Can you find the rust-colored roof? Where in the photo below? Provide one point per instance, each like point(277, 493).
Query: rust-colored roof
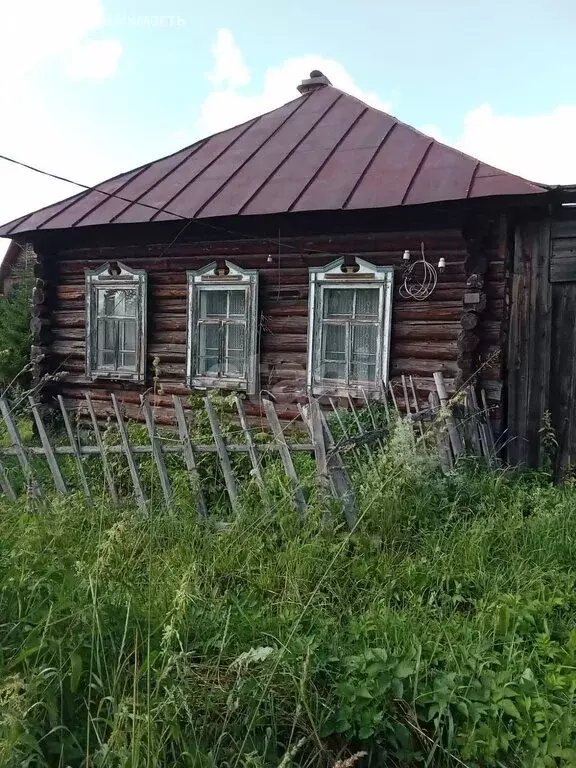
point(324, 151)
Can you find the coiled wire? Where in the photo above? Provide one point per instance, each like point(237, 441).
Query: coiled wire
point(419, 288)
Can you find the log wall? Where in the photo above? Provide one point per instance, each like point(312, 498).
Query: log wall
point(427, 336)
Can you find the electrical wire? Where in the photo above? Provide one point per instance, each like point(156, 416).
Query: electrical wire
point(188, 221)
point(419, 289)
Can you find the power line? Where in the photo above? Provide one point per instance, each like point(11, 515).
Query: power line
point(189, 221)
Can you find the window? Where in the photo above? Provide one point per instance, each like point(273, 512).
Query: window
point(116, 323)
point(349, 328)
point(222, 333)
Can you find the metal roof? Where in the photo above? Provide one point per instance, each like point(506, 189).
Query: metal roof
point(324, 151)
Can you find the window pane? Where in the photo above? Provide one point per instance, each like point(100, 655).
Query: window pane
point(334, 357)
point(209, 349)
point(213, 303)
point(118, 302)
point(363, 363)
point(237, 302)
point(128, 335)
point(367, 302)
point(128, 360)
point(235, 350)
point(338, 302)
point(106, 341)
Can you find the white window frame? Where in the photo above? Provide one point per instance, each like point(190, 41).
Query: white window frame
point(213, 278)
point(114, 275)
point(337, 276)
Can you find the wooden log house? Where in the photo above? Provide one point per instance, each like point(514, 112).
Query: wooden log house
point(272, 257)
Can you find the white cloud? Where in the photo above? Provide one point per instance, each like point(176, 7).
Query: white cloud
point(229, 67)
point(93, 60)
point(228, 104)
point(539, 147)
point(39, 41)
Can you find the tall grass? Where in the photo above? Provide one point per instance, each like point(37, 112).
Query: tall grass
point(442, 631)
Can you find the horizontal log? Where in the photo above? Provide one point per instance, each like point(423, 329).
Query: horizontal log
point(289, 261)
point(365, 242)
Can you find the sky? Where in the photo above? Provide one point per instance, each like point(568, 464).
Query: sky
point(90, 88)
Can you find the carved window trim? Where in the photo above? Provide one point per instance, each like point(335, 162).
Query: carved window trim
point(338, 275)
point(218, 276)
point(116, 277)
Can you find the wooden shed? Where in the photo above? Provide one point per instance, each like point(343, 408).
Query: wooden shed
point(274, 255)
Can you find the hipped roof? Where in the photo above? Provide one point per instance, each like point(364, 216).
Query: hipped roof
point(324, 151)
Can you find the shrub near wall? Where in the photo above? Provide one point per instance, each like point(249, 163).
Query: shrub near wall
point(442, 632)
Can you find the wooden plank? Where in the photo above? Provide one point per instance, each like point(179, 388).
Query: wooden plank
point(102, 451)
point(361, 432)
point(339, 477)
point(393, 396)
point(417, 408)
point(252, 450)
point(34, 486)
point(157, 451)
point(441, 435)
point(59, 483)
point(74, 447)
point(138, 489)
point(273, 421)
point(489, 431)
point(5, 484)
point(189, 457)
point(345, 433)
point(311, 416)
point(455, 440)
point(222, 455)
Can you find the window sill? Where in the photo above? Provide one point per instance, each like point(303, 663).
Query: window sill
point(357, 391)
point(115, 376)
point(238, 385)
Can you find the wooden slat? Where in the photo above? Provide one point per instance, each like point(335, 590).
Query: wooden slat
point(489, 430)
point(34, 486)
point(138, 489)
point(189, 457)
point(339, 477)
point(345, 433)
point(442, 439)
point(455, 440)
point(311, 414)
point(361, 432)
point(157, 452)
point(74, 447)
point(222, 455)
point(252, 450)
point(273, 421)
point(6, 485)
point(102, 451)
point(59, 483)
point(417, 408)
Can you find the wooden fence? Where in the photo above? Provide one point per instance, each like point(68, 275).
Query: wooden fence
point(453, 427)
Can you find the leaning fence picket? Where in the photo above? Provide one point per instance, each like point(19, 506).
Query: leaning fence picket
point(222, 455)
point(157, 451)
point(34, 486)
point(442, 439)
point(286, 458)
point(47, 446)
point(455, 439)
point(138, 489)
point(345, 434)
point(5, 484)
point(74, 447)
point(189, 457)
point(252, 450)
point(416, 405)
point(102, 450)
point(341, 483)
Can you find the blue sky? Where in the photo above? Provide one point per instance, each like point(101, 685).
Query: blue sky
point(93, 87)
